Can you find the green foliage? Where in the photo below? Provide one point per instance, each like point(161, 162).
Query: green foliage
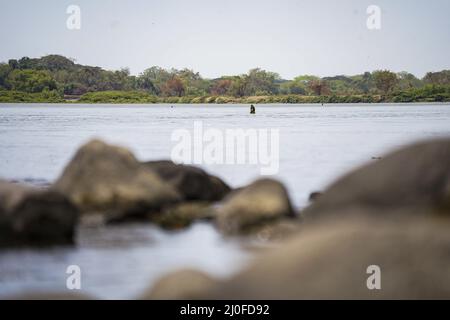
point(55, 77)
point(31, 81)
point(428, 93)
point(438, 78)
point(5, 69)
point(19, 96)
point(118, 97)
point(260, 82)
point(407, 81)
point(385, 80)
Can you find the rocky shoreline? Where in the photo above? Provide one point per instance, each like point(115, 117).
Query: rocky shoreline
point(394, 212)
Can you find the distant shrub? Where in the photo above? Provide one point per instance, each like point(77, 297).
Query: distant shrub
point(45, 96)
point(118, 97)
point(429, 93)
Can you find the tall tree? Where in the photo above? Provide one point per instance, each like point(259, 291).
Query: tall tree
point(260, 82)
point(173, 87)
point(320, 87)
point(439, 78)
point(385, 80)
point(221, 87)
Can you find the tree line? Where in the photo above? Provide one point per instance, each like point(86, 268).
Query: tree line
point(63, 77)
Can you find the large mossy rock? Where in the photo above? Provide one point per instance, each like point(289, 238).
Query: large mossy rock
point(330, 261)
point(262, 202)
point(414, 179)
point(193, 183)
point(35, 217)
point(109, 179)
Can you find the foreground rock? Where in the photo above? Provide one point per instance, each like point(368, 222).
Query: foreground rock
point(109, 179)
point(415, 179)
point(184, 284)
point(330, 261)
point(193, 183)
point(35, 217)
point(262, 202)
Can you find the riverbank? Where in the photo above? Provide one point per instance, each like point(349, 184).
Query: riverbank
point(426, 94)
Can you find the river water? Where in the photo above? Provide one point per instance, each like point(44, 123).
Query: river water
point(316, 145)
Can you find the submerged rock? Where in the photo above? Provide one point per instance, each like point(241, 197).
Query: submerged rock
point(35, 217)
point(191, 182)
point(181, 285)
point(109, 179)
point(331, 261)
point(184, 214)
point(262, 202)
point(277, 231)
point(414, 179)
point(313, 196)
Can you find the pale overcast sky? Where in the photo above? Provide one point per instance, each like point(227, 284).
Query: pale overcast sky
point(223, 37)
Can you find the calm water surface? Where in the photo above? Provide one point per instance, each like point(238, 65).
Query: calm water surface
point(317, 144)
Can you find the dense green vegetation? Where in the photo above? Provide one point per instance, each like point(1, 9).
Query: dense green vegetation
point(55, 78)
point(118, 97)
point(19, 96)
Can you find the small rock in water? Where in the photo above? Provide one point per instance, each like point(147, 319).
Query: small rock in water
point(262, 202)
point(313, 196)
point(183, 214)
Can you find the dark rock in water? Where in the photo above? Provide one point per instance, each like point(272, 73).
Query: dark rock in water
point(314, 196)
point(331, 261)
point(191, 182)
point(35, 217)
point(184, 214)
point(414, 179)
point(262, 202)
point(180, 285)
point(109, 179)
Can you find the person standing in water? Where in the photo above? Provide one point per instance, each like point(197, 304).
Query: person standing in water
point(252, 109)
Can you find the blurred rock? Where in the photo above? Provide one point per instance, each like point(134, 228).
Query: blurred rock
point(277, 231)
point(181, 285)
point(414, 179)
point(262, 202)
point(191, 182)
point(184, 214)
point(313, 196)
point(109, 179)
point(35, 217)
point(330, 261)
